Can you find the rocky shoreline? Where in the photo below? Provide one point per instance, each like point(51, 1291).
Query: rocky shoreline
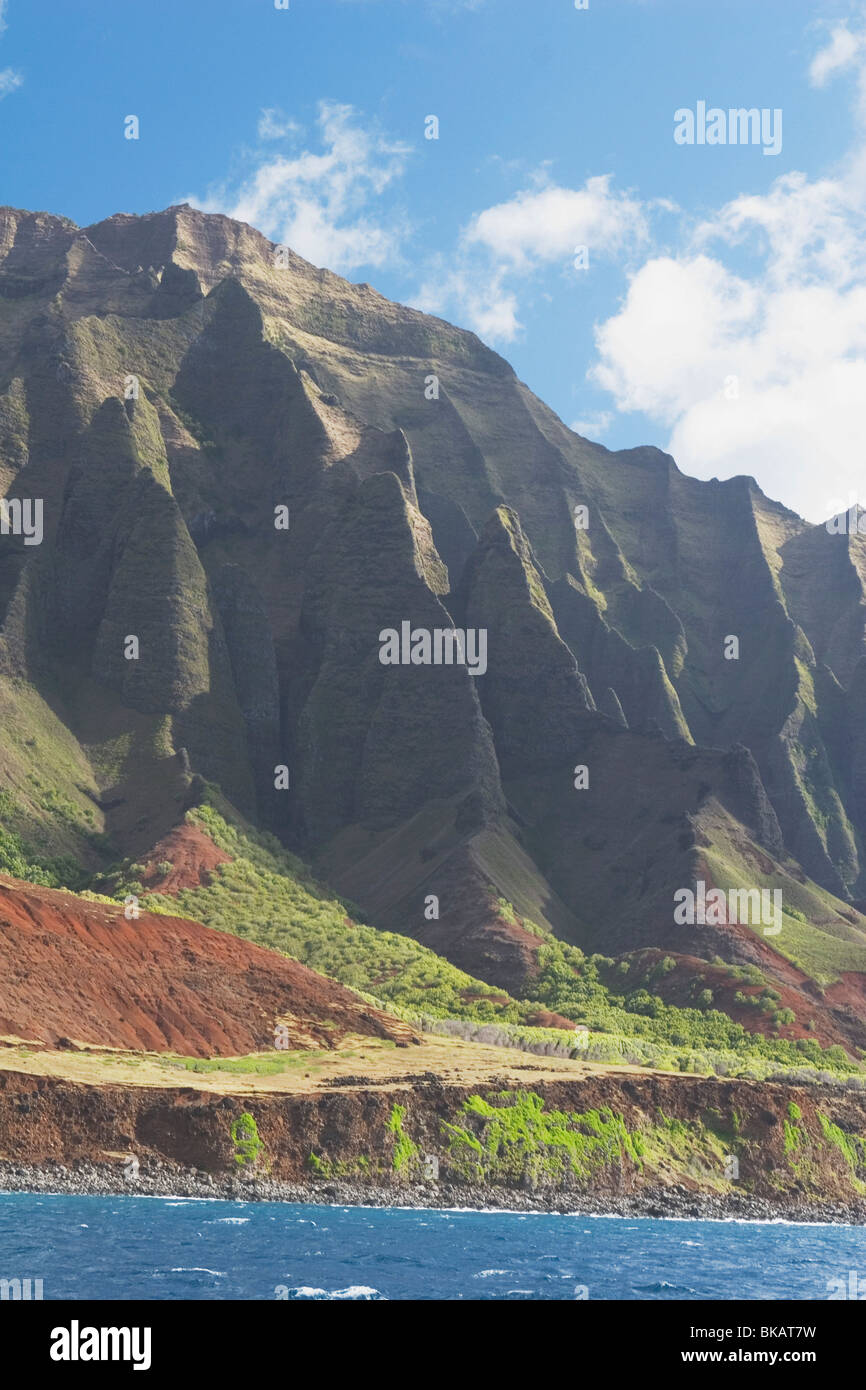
point(163, 1180)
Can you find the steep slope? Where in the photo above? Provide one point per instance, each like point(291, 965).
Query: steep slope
point(251, 470)
point(752, 1006)
point(77, 972)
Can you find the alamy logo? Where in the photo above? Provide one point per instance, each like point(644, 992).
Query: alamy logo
point(20, 1290)
point(441, 646)
point(22, 517)
point(715, 908)
point(856, 1287)
point(737, 126)
point(77, 1343)
point(846, 521)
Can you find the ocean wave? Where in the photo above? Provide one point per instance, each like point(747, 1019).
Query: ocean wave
point(361, 1292)
point(662, 1286)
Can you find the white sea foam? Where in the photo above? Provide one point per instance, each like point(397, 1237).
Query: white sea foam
point(355, 1291)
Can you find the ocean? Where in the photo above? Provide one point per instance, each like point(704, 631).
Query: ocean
point(165, 1248)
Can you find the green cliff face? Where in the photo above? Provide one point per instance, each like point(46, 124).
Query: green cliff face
point(255, 471)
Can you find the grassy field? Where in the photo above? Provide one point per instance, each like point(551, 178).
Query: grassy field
point(378, 1062)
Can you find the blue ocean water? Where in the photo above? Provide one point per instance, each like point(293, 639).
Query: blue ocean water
point(171, 1248)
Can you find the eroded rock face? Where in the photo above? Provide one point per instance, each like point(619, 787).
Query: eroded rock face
point(532, 691)
point(255, 468)
point(350, 1131)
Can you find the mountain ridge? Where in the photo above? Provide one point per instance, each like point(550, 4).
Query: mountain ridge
point(423, 482)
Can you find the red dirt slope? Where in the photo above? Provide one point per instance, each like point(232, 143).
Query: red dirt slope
point(830, 1016)
point(193, 856)
point(78, 970)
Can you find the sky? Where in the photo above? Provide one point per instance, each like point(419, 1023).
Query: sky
point(706, 295)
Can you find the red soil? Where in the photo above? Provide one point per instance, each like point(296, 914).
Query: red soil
point(74, 969)
point(193, 856)
point(545, 1019)
point(850, 989)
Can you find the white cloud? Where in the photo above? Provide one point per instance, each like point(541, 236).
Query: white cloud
point(807, 229)
point(747, 345)
point(593, 426)
point(545, 225)
point(843, 51)
point(510, 243)
point(10, 80)
point(330, 206)
point(274, 125)
point(322, 204)
point(761, 373)
point(763, 379)
point(763, 376)
point(478, 294)
point(675, 337)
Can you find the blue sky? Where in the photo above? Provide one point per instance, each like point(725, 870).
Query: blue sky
point(722, 313)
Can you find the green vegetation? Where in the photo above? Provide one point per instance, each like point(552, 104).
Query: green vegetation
point(245, 1137)
point(814, 936)
point(20, 859)
point(267, 895)
point(519, 1139)
point(404, 1162)
point(359, 1167)
point(699, 1147)
point(626, 1049)
point(256, 1063)
point(511, 1138)
point(793, 1137)
point(405, 1152)
point(49, 818)
point(587, 989)
point(851, 1147)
